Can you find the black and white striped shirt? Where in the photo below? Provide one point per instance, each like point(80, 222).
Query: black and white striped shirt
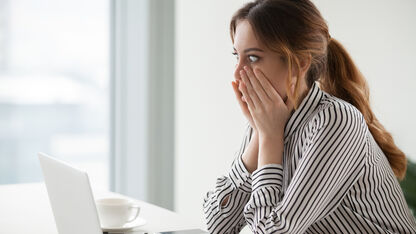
point(334, 179)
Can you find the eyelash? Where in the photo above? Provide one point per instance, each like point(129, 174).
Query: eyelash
point(235, 54)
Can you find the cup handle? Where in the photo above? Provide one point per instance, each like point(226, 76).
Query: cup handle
point(137, 207)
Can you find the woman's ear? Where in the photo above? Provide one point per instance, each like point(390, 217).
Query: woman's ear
point(293, 84)
point(305, 63)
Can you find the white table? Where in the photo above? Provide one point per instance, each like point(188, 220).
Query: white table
point(25, 209)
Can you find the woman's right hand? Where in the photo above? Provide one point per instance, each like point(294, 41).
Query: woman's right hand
point(250, 156)
point(243, 104)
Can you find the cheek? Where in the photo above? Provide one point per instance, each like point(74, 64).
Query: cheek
point(275, 73)
point(280, 88)
point(277, 80)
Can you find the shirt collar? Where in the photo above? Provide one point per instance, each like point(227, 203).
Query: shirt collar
point(306, 107)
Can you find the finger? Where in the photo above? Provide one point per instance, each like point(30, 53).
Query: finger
point(249, 101)
point(239, 86)
point(250, 104)
point(257, 85)
point(241, 99)
point(238, 95)
point(250, 90)
point(268, 87)
point(236, 91)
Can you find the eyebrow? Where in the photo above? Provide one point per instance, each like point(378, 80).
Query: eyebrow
point(250, 49)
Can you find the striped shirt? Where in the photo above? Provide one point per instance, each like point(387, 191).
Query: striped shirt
point(334, 178)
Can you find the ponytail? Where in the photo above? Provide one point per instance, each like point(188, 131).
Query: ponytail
point(343, 80)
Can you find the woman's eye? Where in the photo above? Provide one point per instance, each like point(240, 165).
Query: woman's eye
point(235, 54)
point(253, 58)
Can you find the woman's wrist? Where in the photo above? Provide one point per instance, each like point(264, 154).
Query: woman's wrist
point(255, 135)
point(270, 150)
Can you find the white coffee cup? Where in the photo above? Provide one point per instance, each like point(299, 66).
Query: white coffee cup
point(116, 212)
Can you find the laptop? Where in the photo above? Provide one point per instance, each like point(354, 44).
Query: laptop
point(70, 196)
point(72, 201)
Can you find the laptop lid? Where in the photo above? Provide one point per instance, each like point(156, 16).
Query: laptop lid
point(70, 196)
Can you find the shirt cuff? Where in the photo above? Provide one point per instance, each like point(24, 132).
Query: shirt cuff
point(239, 176)
point(268, 175)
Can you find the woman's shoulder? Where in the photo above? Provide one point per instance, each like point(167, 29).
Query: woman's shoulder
point(333, 111)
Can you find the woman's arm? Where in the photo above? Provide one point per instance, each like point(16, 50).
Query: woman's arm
point(332, 161)
point(223, 206)
point(250, 157)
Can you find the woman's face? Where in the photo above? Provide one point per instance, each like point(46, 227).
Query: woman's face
point(250, 52)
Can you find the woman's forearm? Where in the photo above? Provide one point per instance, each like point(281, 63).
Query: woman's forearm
point(250, 156)
point(271, 151)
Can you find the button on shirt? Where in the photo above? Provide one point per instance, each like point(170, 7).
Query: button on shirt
point(334, 178)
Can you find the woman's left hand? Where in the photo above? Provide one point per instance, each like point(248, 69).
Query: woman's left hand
point(270, 113)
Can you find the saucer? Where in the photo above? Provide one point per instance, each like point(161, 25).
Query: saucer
point(133, 224)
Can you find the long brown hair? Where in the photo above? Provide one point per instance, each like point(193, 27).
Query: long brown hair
point(296, 29)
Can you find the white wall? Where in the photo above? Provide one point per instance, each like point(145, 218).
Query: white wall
point(381, 38)
point(209, 125)
point(208, 120)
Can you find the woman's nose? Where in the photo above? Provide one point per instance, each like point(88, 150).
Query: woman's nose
point(238, 67)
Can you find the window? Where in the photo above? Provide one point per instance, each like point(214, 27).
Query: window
point(54, 87)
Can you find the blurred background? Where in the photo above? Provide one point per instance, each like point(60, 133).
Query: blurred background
point(138, 92)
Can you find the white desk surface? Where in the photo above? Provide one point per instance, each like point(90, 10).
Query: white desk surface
point(25, 209)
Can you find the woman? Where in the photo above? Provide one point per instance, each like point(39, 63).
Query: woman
point(314, 158)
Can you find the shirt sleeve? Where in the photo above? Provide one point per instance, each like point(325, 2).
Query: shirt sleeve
point(332, 161)
point(236, 185)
